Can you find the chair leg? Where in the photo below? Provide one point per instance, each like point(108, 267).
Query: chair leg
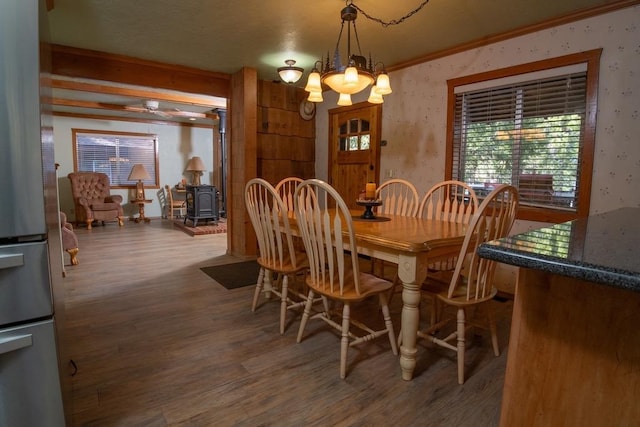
point(305, 316)
point(460, 334)
point(72, 253)
point(268, 285)
point(256, 293)
point(493, 329)
point(283, 302)
point(388, 324)
point(344, 342)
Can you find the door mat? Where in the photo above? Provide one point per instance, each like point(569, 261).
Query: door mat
point(235, 275)
point(202, 228)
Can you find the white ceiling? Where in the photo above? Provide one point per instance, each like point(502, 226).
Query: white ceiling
point(226, 35)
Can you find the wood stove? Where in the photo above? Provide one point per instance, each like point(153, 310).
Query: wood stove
point(202, 203)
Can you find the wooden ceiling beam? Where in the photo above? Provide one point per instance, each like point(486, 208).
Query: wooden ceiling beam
point(142, 93)
point(91, 64)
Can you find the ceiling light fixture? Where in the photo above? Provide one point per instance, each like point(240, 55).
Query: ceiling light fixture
point(290, 74)
point(354, 76)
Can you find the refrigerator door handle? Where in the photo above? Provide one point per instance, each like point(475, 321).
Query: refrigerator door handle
point(11, 260)
point(10, 344)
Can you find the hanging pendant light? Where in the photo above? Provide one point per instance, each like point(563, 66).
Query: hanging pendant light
point(351, 78)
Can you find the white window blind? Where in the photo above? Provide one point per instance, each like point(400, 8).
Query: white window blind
point(115, 154)
point(528, 134)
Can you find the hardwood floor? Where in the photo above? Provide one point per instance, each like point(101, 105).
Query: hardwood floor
point(159, 343)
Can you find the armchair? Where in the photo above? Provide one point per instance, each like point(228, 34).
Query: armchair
point(69, 239)
point(92, 199)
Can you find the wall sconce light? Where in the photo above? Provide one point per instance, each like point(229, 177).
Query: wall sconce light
point(196, 165)
point(139, 173)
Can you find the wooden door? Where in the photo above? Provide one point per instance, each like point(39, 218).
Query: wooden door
point(354, 154)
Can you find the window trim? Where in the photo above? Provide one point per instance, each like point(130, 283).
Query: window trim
point(592, 59)
point(156, 178)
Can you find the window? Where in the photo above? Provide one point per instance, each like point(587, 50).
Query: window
point(354, 135)
point(115, 153)
point(531, 126)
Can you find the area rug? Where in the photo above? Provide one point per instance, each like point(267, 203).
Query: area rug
point(235, 275)
point(202, 228)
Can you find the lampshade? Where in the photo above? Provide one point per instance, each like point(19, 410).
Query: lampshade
point(375, 97)
point(344, 99)
point(196, 164)
point(315, 96)
point(290, 74)
point(138, 173)
point(383, 87)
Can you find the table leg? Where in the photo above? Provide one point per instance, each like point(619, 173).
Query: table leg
point(141, 215)
point(412, 272)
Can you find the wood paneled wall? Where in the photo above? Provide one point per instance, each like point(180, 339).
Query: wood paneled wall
point(241, 153)
point(286, 142)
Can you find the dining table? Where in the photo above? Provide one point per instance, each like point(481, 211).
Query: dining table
point(412, 244)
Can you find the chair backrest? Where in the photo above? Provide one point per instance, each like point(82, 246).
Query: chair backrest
point(89, 185)
point(325, 232)
point(162, 199)
point(169, 195)
point(492, 220)
point(399, 197)
point(269, 219)
point(286, 188)
point(451, 200)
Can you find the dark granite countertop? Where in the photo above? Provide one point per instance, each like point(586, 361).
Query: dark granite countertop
point(603, 248)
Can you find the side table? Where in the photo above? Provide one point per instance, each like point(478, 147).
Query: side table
point(140, 203)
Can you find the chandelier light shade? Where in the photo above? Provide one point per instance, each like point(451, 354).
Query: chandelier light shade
point(352, 77)
point(290, 74)
point(196, 166)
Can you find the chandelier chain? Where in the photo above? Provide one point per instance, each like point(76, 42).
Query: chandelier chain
point(393, 21)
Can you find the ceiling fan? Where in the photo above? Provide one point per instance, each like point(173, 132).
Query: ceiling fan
point(153, 107)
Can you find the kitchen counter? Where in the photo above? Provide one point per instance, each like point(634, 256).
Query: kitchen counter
point(602, 249)
point(574, 348)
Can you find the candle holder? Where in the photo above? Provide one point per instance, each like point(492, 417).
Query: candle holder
point(368, 207)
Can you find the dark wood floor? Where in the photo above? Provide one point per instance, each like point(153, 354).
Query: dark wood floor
point(159, 343)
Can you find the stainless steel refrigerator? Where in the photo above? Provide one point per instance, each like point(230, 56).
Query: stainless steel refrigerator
point(30, 393)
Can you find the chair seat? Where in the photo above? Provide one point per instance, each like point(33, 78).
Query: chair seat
point(369, 285)
point(438, 285)
point(286, 267)
point(102, 206)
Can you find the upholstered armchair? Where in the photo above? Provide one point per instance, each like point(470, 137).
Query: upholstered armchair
point(69, 239)
point(92, 198)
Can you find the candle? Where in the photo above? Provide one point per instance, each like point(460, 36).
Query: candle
point(370, 190)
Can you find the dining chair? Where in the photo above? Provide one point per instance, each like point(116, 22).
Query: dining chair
point(277, 254)
point(334, 272)
point(452, 201)
point(399, 197)
point(470, 284)
point(174, 205)
point(286, 188)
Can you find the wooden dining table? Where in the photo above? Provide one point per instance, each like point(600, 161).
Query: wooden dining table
point(411, 244)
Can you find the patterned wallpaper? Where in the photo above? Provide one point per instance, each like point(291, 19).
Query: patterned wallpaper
point(414, 115)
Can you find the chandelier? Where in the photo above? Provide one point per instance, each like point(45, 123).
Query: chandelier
point(352, 77)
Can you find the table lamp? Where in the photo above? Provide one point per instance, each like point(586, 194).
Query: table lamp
point(139, 173)
point(196, 165)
